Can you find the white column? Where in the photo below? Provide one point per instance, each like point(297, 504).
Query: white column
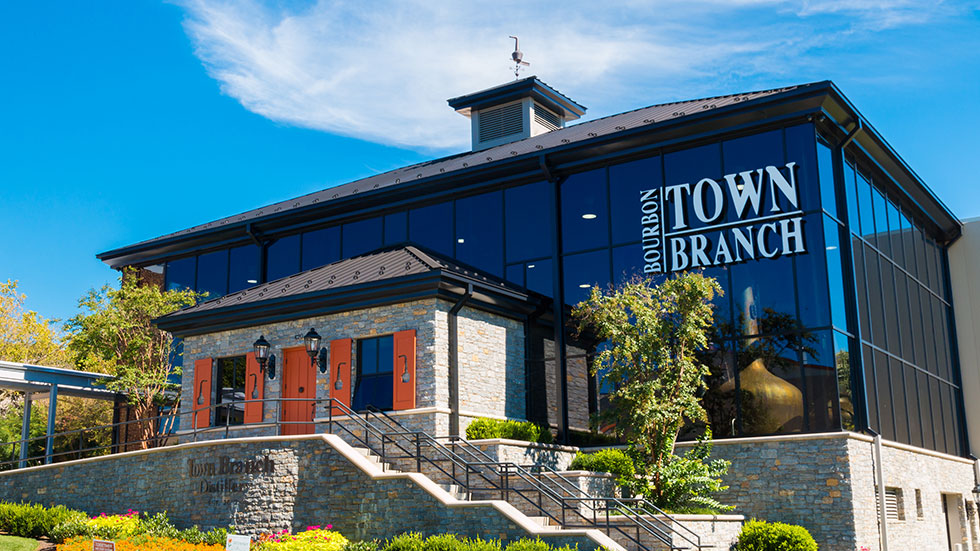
point(25, 431)
point(52, 411)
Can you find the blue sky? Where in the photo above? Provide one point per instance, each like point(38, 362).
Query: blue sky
point(135, 118)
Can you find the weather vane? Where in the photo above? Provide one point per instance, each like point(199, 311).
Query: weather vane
point(518, 58)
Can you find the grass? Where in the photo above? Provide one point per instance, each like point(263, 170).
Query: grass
point(11, 543)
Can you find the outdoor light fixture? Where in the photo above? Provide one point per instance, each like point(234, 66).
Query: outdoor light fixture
point(589, 216)
point(976, 494)
point(461, 240)
point(267, 361)
point(318, 356)
point(251, 281)
point(583, 286)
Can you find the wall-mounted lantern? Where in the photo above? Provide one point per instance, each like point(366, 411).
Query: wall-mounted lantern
point(318, 356)
point(267, 361)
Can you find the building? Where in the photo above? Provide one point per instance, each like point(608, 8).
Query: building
point(442, 292)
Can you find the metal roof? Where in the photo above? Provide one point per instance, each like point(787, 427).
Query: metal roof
point(38, 379)
point(387, 263)
point(403, 176)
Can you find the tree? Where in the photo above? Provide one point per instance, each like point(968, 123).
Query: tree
point(115, 334)
point(653, 333)
point(25, 336)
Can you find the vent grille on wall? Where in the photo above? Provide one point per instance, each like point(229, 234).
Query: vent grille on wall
point(546, 118)
point(894, 509)
point(501, 122)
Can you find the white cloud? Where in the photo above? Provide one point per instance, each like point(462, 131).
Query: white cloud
point(381, 71)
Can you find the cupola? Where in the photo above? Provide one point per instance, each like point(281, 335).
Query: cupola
point(514, 111)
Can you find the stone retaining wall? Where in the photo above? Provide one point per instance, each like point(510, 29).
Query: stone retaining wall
point(274, 483)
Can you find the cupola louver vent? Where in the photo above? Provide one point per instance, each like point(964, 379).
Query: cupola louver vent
point(546, 118)
point(501, 122)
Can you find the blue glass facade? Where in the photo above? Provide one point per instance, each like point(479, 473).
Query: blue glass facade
point(835, 313)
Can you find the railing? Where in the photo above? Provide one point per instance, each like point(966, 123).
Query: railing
point(545, 491)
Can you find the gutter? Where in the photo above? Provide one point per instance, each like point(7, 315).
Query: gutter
point(454, 360)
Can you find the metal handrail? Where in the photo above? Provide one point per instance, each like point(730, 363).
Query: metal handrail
point(583, 497)
point(478, 472)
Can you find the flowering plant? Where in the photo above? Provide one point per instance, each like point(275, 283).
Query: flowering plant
point(314, 538)
point(140, 543)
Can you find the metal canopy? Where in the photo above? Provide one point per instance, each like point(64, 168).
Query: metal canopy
point(38, 382)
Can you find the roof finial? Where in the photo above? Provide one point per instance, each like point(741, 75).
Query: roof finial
point(517, 57)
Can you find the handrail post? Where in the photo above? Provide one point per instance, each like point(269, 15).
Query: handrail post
point(418, 454)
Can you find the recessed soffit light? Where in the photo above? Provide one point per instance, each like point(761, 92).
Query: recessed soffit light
point(589, 216)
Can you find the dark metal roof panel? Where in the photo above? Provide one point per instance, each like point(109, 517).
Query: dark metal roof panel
point(575, 133)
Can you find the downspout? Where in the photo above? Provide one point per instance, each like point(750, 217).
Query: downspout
point(454, 360)
point(880, 485)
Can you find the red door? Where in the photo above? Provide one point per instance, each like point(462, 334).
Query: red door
point(298, 381)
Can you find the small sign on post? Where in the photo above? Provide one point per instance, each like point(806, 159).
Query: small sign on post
point(238, 543)
point(100, 545)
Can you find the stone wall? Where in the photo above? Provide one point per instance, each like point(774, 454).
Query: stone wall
point(825, 482)
point(272, 484)
point(491, 358)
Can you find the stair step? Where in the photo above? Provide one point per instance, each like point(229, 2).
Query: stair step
point(543, 521)
point(456, 491)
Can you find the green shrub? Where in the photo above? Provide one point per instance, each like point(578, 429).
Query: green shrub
point(757, 535)
point(443, 542)
point(589, 439)
point(525, 544)
point(480, 544)
point(606, 461)
point(33, 521)
point(409, 541)
point(73, 527)
point(361, 546)
point(484, 428)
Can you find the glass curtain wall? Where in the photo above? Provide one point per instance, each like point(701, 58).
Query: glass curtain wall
point(903, 306)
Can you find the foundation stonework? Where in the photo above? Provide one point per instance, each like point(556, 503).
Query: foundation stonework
point(826, 483)
point(296, 482)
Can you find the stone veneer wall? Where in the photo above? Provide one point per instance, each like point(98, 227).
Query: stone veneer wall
point(491, 359)
point(826, 483)
point(313, 481)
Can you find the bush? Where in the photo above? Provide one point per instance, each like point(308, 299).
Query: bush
point(409, 541)
point(525, 544)
point(607, 461)
point(361, 546)
point(33, 521)
point(764, 536)
point(584, 439)
point(484, 428)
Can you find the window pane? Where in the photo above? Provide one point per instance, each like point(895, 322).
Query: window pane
point(881, 223)
point(180, 273)
point(895, 231)
point(919, 317)
point(905, 320)
point(871, 387)
point(939, 336)
point(908, 243)
point(762, 296)
point(928, 334)
point(769, 381)
point(835, 274)
point(953, 425)
point(825, 164)
point(231, 388)
point(243, 267)
point(374, 374)
point(582, 271)
point(515, 274)
point(891, 309)
point(432, 227)
point(935, 270)
point(540, 277)
point(720, 399)
point(842, 362)
point(885, 392)
point(584, 212)
point(938, 424)
point(321, 247)
point(912, 401)
point(811, 273)
point(860, 276)
point(821, 384)
point(877, 309)
point(528, 221)
point(480, 232)
point(898, 400)
point(396, 228)
point(361, 237)
point(721, 303)
point(282, 258)
point(367, 356)
point(212, 274)
point(925, 410)
point(865, 194)
point(801, 149)
point(683, 170)
point(741, 154)
point(627, 263)
point(850, 189)
point(922, 270)
point(626, 182)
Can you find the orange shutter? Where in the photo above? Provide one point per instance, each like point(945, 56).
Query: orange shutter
point(340, 356)
point(254, 386)
point(202, 393)
point(403, 395)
